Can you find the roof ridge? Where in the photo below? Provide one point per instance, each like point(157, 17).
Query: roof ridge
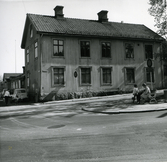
point(126, 23)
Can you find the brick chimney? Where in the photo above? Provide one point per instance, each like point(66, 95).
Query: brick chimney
point(102, 16)
point(59, 12)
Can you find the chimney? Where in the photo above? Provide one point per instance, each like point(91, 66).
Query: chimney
point(59, 12)
point(102, 16)
point(23, 69)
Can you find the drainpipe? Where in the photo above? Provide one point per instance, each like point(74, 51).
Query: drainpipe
point(161, 57)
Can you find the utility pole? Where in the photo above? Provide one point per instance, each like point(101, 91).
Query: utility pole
point(15, 58)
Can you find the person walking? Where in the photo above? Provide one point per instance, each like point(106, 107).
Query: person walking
point(6, 95)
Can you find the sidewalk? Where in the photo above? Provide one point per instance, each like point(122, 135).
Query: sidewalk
point(114, 104)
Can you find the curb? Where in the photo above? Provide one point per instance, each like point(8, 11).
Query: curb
point(125, 112)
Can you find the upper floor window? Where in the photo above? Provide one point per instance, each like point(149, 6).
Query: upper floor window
point(36, 49)
point(129, 50)
point(27, 54)
point(58, 47)
point(149, 74)
point(58, 76)
point(85, 75)
point(106, 76)
point(85, 48)
point(106, 49)
point(149, 51)
point(31, 31)
point(129, 75)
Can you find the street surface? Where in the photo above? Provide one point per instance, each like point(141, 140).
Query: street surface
point(65, 133)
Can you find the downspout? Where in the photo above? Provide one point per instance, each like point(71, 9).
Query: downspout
point(40, 64)
point(161, 57)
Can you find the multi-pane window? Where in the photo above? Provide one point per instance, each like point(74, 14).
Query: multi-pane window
point(129, 50)
point(106, 76)
point(28, 79)
point(85, 75)
point(149, 74)
point(165, 70)
point(31, 31)
point(106, 49)
point(36, 49)
point(58, 76)
point(149, 51)
point(85, 48)
point(58, 47)
point(129, 75)
point(28, 56)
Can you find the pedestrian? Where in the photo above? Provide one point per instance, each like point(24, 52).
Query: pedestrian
point(135, 92)
point(6, 95)
point(146, 94)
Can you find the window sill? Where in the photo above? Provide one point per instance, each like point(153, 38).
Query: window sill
point(105, 84)
point(86, 84)
point(85, 57)
point(58, 85)
point(105, 58)
point(62, 57)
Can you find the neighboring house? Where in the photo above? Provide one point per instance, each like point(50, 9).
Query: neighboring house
point(13, 81)
point(7, 77)
point(71, 55)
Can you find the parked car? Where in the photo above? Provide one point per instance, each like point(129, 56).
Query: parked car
point(2, 93)
point(19, 94)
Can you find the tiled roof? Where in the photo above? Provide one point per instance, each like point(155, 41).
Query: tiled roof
point(70, 26)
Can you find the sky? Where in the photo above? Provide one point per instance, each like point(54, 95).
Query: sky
point(13, 16)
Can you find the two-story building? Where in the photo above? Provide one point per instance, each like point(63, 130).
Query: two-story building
point(71, 55)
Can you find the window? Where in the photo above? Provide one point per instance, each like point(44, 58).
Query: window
point(58, 76)
point(85, 75)
point(28, 79)
point(31, 31)
point(106, 76)
point(148, 51)
point(129, 51)
point(36, 49)
point(85, 48)
point(149, 74)
point(58, 47)
point(129, 75)
point(28, 57)
point(165, 70)
point(106, 49)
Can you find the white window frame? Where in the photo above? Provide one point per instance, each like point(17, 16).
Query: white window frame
point(52, 77)
point(101, 75)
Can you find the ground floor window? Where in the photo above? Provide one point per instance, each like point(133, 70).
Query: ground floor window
point(28, 79)
point(106, 75)
point(165, 70)
point(149, 74)
point(58, 76)
point(85, 75)
point(129, 75)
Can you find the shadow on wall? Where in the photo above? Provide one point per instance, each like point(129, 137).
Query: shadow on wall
point(51, 95)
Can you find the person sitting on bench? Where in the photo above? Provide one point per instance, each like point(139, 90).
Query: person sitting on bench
point(146, 94)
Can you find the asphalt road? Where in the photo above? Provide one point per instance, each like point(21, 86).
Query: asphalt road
point(83, 137)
